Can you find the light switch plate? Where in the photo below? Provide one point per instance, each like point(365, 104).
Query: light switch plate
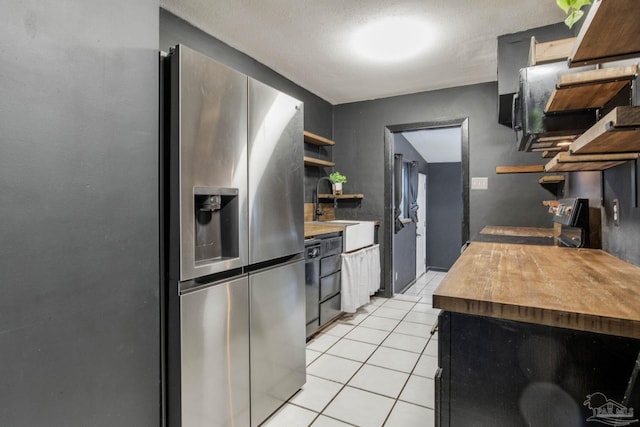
point(479, 183)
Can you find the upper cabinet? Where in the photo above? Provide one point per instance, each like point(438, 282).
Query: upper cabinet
point(609, 33)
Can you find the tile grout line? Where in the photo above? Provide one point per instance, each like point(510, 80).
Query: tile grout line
point(395, 400)
point(345, 384)
point(406, 382)
point(378, 346)
point(357, 370)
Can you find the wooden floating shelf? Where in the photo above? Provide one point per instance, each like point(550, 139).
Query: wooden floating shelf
point(312, 161)
point(565, 162)
point(551, 179)
point(589, 89)
point(609, 33)
point(555, 144)
point(552, 183)
point(551, 153)
point(314, 139)
point(520, 169)
point(341, 196)
point(617, 132)
point(553, 51)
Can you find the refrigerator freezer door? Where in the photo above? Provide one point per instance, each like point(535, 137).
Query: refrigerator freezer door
point(277, 334)
point(208, 164)
point(215, 355)
point(276, 174)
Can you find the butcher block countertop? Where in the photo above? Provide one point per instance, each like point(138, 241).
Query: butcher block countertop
point(499, 230)
point(312, 229)
point(583, 289)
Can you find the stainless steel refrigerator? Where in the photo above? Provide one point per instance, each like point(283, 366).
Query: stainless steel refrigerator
point(234, 242)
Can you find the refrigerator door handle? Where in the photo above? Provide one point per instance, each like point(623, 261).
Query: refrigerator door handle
point(267, 265)
point(190, 286)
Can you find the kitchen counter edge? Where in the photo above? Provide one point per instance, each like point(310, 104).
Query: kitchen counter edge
point(581, 289)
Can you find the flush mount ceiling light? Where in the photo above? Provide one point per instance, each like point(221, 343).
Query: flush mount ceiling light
point(392, 39)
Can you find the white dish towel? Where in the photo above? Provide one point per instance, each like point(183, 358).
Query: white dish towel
point(360, 277)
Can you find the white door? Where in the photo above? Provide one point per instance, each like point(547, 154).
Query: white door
point(421, 226)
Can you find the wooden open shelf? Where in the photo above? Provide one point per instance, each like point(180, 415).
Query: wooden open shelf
point(617, 132)
point(552, 152)
point(314, 139)
point(565, 162)
point(553, 51)
point(312, 161)
point(609, 33)
point(520, 169)
point(589, 89)
point(551, 179)
point(552, 183)
point(341, 196)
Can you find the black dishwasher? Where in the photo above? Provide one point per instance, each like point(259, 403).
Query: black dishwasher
point(312, 283)
point(330, 263)
point(322, 280)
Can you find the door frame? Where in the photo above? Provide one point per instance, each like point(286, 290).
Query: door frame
point(463, 124)
point(422, 210)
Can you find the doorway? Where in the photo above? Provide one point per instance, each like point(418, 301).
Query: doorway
point(421, 226)
point(452, 232)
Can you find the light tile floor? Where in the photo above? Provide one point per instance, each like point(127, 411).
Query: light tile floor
point(373, 368)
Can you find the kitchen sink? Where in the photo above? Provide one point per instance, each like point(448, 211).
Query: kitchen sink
point(357, 234)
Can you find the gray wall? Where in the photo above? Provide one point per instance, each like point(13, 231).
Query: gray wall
point(79, 313)
point(444, 214)
point(359, 153)
point(404, 241)
point(623, 240)
point(601, 188)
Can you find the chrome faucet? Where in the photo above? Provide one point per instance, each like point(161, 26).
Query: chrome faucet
point(318, 211)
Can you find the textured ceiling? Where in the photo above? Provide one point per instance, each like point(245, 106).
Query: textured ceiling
point(307, 41)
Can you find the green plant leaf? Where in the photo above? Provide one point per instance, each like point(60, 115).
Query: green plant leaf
point(564, 5)
point(336, 177)
point(573, 17)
